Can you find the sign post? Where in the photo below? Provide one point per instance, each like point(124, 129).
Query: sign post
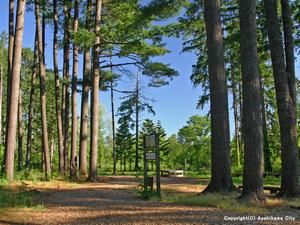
point(151, 141)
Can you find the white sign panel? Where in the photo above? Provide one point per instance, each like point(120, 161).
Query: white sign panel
point(150, 156)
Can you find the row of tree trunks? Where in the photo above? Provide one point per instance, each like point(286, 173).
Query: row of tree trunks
point(42, 71)
point(10, 143)
point(252, 119)
point(285, 94)
point(221, 179)
point(85, 100)
point(95, 98)
point(73, 161)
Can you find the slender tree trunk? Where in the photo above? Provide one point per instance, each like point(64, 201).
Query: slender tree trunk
point(30, 107)
point(42, 90)
point(66, 96)
point(74, 98)
point(235, 112)
point(267, 151)
point(285, 98)
point(95, 98)
point(52, 148)
point(15, 87)
point(9, 65)
point(252, 119)
point(1, 95)
point(85, 102)
point(57, 91)
point(136, 166)
point(113, 123)
point(220, 138)
point(20, 132)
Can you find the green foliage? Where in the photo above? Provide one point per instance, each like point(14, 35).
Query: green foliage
point(145, 193)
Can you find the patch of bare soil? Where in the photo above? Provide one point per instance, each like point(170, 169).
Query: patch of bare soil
point(113, 201)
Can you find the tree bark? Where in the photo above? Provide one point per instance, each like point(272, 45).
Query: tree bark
point(220, 138)
point(85, 101)
point(285, 98)
point(236, 119)
point(136, 165)
point(73, 160)
point(15, 87)
point(30, 106)
point(42, 90)
point(66, 95)
point(95, 98)
point(252, 118)
point(20, 132)
point(57, 91)
point(113, 123)
point(9, 64)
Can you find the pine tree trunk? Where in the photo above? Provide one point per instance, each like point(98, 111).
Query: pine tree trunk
point(136, 165)
point(73, 163)
point(220, 138)
point(42, 90)
point(9, 65)
point(66, 95)
point(15, 87)
point(95, 98)
point(1, 95)
point(20, 132)
point(252, 118)
point(113, 124)
point(267, 151)
point(285, 98)
point(57, 91)
point(85, 102)
point(30, 106)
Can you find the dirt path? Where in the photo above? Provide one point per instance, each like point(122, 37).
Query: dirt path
point(113, 201)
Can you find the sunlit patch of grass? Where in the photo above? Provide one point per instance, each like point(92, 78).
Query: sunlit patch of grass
point(231, 203)
point(13, 199)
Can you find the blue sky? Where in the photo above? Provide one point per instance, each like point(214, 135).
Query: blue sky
point(174, 103)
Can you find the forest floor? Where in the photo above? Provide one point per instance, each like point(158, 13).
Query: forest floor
point(114, 200)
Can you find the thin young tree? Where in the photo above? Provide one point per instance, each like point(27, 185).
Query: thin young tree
point(73, 160)
point(20, 131)
point(221, 179)
point(11, 131)
point(95, 97)
point(42, 71)
point(252, 118)
point(57, 91)
point(285, 98)
point(30, 106)
point(85, 100)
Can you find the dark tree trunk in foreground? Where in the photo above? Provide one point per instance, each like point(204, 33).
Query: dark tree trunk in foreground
point(286, 101)
point(42, 71)
point(220, 138)
point(73, 163)
point(252, 118)
point(30, 106)
point(85, 101)
point(20, 132)
point(10, 143)
point(66, 89)
point(95, 98)
point(57, 92)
